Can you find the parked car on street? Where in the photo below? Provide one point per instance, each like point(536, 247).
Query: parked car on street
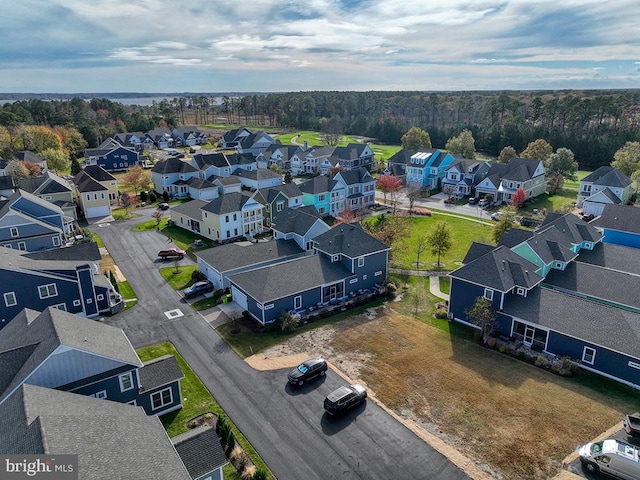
point(612, 457)
point(171, 253)
point(473, 200)
point(163, 206)
point(588, 217)
point(198, 288)
point(483, 202)
point(344, 398)
point(311, 368)
point(631, 425)
point(496, 216)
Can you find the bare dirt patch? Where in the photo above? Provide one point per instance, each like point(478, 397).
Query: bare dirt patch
point(515, 420)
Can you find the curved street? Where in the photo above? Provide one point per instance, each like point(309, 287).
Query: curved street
point(287, 427)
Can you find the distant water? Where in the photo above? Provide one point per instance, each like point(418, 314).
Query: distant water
point(140, 101)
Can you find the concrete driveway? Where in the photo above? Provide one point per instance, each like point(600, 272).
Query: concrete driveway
point(288, 428)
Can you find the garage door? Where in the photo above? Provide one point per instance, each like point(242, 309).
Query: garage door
point(93, 212)
point(239, 297)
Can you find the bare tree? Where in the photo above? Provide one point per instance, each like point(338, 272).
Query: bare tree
point(421, 246)
point(125, 201)
point(157, 216)
point(413, 191)
point(483, 315)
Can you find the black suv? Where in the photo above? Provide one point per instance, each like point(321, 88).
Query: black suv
point(342, 399)
point(307, 370)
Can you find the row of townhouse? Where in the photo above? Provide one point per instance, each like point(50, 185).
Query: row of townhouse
point(122, 151)
point(58, 370)
point(305, 266)
point(567, 289)
point(234, 213)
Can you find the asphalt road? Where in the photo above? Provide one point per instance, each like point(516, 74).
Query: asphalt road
point(287, 427)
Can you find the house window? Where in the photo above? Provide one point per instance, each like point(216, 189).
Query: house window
point(14, 231)
point(269, 306)
point(297, 302)
point(321, 198)
point(488, 293)
point(76, 303)
point(126, 381)
point(88, 196)
point(279, 206)
point(364, 277)
point(589, 355)
point(634, 365)
point(235, 217)
point(60, 306)
point(521, 291)
point(454, 176)
point(378, 273)
point(100, 297)
point(353, 280)
point(361, 261)
point(559, 265)
point(47, 291)
point(10, 299)
point(22, 246)
point(161, 398)
point(56, 241)
point(100, 394)
point(226, 218)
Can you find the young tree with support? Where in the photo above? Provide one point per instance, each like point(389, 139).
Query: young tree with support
point(439, 240)
point(483, 315)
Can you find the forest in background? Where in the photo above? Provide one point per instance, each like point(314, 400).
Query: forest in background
point(594, 124)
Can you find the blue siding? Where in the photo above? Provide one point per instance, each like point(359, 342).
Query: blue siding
point(111, 386)
point(309, 298)
point(25, 286)
point(622, 238)
point(372, 264)
point(144, 400)
point(34, 244)
point(41, 212)
point(85, 282)
point(463, 295)
point(606, 361)
point(118, 159)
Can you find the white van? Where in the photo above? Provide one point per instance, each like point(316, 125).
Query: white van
point(613, 457)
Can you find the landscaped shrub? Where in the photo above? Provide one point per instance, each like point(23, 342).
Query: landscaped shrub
point(222, 427)
point(152, 197)
point(441, 313)
point(197, 276)
point(230, 440)
point(288, 321)
point(248, 473)
point(260, 475)
point(143, 196)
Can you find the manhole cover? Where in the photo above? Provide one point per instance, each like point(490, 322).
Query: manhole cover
point(173, 314)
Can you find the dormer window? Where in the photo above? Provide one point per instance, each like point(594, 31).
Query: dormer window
point(521, 291)
point(488, 293)
point(335, 258)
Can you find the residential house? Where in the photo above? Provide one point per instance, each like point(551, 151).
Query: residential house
point(552, 291)
point(232, 138)
point(201, 452)
point(161, 137)
point(137, 141)
point(504, 179)
point(347, 261)
point(7, 186)
point(605, 186)
point(619, 224)
point(52, 188)
point(171, 175)
point(354, 156)
point(359, 186)
point(199, 188)
point(315, 160)
point(30, 157)
point(398, 162)
point(220, 262)
point(428, 167)
point(188, 215)
point(231, 216)
point(70, 281)
point(29, 223)
point(242, 161)
point(105, 179)
point(257, 179)
point(91, 195)
point(326, 194)
point(463, 175)
point(255, 143)
point(188, 136)
point(227, 184)
point(212, 164)
point(277, 198)
point(281, 155)
point(112, 156)
point(3, 166)
point(301, 224)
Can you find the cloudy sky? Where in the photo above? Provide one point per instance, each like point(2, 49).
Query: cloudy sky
point(77, 46)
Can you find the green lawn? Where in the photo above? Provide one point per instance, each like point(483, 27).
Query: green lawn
point(126, 290)
point(569, 185)
point(384, 152)
point(151, 225)
point(552, 203)
point(181, 279)
point(445, 284)
point(464, 232)
point(196, 400)
point(97, 239)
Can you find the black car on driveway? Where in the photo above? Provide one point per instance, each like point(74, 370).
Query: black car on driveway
point(198, 288)
point(314, 367)
point(344, 398)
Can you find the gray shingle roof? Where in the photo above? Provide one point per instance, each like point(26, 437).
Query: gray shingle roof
point(288, 278)
point(158, 372)
point(551, 245)
point(613, 257)
point(85, 183)
point(501, 269)
point(238, 255)
point(227, 203)
point(86, 252)
point(514, 236)
point(191, 208)
point(476, 250)
point(289, 190)
point(98, 173)
point(356, 176)
point(112, 440)
point(53, 328)
point(401, 157)
point(200, 183)
point(607, 176)
point(202, 160)
point(173, 165)
point(574, 228)
point(298, 221)
point(260, 174)
point(349, 240)
point(200, 451)
point(623, 218)
point(594, 281)
point(317, 185)
point(593, 322)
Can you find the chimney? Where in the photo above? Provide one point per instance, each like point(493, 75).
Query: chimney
point(305, 146)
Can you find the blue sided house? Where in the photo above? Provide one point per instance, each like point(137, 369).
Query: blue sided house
point(559, 290)
point(620, 224)
point(67, 278)
point(428, 167)
point(112, 156)
point(344, 261)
